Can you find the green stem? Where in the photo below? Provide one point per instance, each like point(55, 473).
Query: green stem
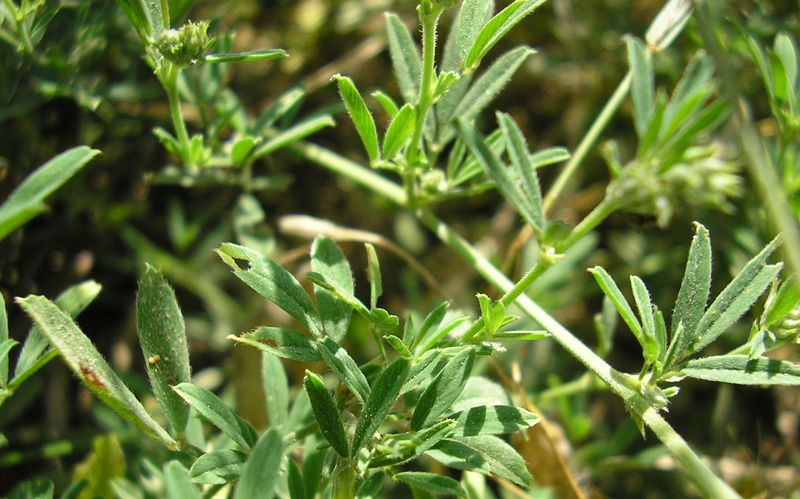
point(168, 75)
point(709, 483)
point(584, 383)
point(588, 141)
point(424, 101)
point(511, 295)
point(758, 162)
point(593, 219)
point(344, 481)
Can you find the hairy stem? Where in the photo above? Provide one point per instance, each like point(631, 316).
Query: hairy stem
point(429, 22)
point(168, 75)
point(588, 141)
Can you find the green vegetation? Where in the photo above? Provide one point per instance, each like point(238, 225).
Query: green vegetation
point(496, 355)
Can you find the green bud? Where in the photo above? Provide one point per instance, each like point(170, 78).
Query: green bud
point(186, 45)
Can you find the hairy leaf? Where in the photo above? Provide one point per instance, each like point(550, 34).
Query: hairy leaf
point(162, 337)
point(384, 392)
point(326, 413)
point(81, 356)
point(327, 260)
point(27, 200)
point(405, 57)
point(260, 471)
point(742, 370)
point(362, 118)
point(218, 413)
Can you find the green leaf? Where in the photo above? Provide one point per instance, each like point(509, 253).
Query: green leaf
point(373, 275)
point(493, 420)
point(293, 134)
point(530, 192)
point(27, 200)
point(486, 88)
point(217, 467)
point(345, 368)
point(431, 323)
point(177, 483)
point(276, 389)
point(397, 449)
point(611, 290)
point(690, 94)
point(737, 297)
point(273, 282)
point(370, 488)
point(424, 366)
point(399, 131)
point(430, 482)
point(343, 295)
point(35, 354)
point(282, 342)
point(549, 156)
point(33, 489)
point(384, 392)
point(642, 298)
point(693, 295)
point(782, 303)
point(249, 224)
point(326, 413)
point(218, 413)
point(162, 337)
point(497, 28)
point(254, 55)
point(506, 182)
point(313, 463)
point(362, 118)
point(104, 465)
point(5, 349)
point(444, 390)
point(146, 20)
point(327, 260)
point(241, 149)
point(260, 472)
point(398, 346)
point(741, 370)
point(472, 16)
point(3, 340)
point(387, 103)
point(786, 52)
point(288, 101)
point(405, 57)
point(295, 483)
point(485, 454)
point(521, 335)
point(90, 367)
point(642, 86)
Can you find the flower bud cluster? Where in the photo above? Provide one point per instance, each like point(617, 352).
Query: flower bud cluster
point(186, 45)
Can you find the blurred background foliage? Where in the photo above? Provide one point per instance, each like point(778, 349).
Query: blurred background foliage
point(85, 82)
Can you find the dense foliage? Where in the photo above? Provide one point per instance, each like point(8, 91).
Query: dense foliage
point(362, 257)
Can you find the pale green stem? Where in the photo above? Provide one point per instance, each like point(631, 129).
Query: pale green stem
point(429, 22)
point(169, 80)
point(588, 141)
point(344, 481)
point(584, 383)
point(592, 220)
point(619, 383)
point(758, 162)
